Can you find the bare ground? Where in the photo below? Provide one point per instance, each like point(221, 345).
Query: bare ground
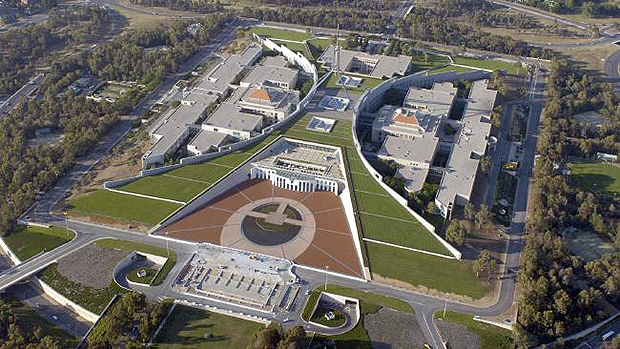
point(457, 336)
point(91, 265)
point(404, 331)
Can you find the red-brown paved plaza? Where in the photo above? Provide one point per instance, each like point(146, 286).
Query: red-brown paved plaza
point(326, 239)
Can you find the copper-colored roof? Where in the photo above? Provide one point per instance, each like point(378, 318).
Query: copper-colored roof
point(261, 94)
point(406, 119)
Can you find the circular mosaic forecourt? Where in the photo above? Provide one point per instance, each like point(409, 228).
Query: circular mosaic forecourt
point(275, 226)
point(272, 230)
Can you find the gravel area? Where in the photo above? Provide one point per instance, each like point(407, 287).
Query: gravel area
point(457, 336)
point(404, 331)
point(91, 265)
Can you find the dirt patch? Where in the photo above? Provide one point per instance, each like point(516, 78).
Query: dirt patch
point(91, 266)
point(488, 299)
point(405, 332)
point(457, 336)
point(124, 161)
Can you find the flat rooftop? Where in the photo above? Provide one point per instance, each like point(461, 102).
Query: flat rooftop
point(437, 100)
point(261, 74)
point(419, 149)
point(173, 126)
point(274, 61)
point(384, 66)
point(470, 144)
point(229, 116)
point(206, 139)
point(221, 76)
point(305, 159)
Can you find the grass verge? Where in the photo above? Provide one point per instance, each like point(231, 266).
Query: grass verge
point(29, 241)
point(491, 337)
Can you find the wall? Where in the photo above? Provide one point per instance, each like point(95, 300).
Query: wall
point(372, 99)
point(6, 249)
point(86, 314)
point(345, 196)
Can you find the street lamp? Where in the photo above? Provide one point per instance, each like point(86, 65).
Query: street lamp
point(67, 224)
point(445, 306)
point(167, 249)
point(326, 268)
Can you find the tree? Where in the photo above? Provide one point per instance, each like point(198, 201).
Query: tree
point(484, 264)
point(484, 217)
point(456, 233)
point(430, 207)
point(469, 211)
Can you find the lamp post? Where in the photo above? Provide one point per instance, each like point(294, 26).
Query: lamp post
point(326, 268)
point(167, 249)
point(67, 224)
point(445, 306)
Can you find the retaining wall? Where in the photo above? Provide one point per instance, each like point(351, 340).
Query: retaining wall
point(345, 196)
point(86, 314)
point(7, 249)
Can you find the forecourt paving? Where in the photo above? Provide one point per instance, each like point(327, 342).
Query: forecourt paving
point(324, 240)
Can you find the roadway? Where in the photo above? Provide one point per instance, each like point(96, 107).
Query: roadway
point(24, 91)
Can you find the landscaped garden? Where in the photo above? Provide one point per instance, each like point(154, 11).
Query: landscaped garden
point(28, 241)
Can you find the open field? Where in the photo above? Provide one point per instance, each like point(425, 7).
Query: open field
point(125, 208)
point(280, 34)
point(29, 241)
point(596, 176)
point(491, 64)
point(187, 327)
point(28, 320)
point(130, 246)
point(418, 269)
point(491, 337)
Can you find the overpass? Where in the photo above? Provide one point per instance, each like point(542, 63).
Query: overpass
point(37, 263)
